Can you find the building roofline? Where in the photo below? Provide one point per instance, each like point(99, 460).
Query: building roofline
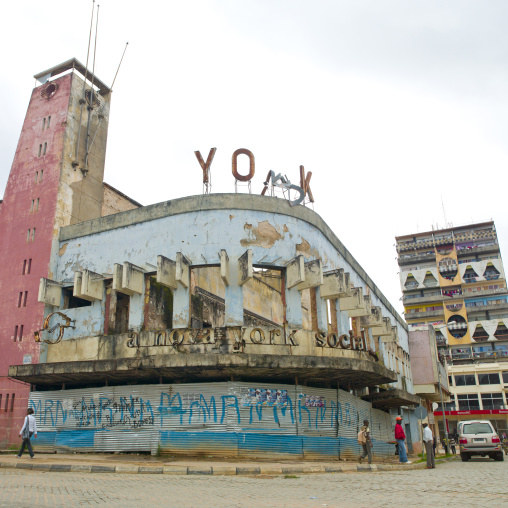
point(204, 202)
point(134, 202)
point(445, 230)
point(73, 63)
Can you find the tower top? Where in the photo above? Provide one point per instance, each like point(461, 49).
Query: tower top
point(73, 63)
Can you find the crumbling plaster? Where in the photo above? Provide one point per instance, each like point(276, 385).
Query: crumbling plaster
point(200, 226)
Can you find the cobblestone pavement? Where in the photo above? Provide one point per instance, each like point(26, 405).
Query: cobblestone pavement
point(475, 483)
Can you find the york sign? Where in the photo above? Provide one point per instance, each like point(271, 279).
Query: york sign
point(276, 180)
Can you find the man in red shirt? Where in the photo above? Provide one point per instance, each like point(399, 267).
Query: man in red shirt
point(400, 437)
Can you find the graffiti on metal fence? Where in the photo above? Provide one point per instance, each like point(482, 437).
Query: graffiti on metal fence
point(135, 412)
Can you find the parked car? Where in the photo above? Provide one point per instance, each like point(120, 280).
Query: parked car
point(478, 437)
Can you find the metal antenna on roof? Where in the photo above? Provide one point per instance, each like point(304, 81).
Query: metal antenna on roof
point(75, 162)
point(121, 59)
point(444, 212)
point(92, 98)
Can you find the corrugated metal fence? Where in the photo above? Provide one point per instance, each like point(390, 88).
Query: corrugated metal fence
point(234, 419)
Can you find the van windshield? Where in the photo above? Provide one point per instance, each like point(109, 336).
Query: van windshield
point(476, 428)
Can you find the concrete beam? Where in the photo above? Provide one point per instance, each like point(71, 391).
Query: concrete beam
point(224, 267)
point(356, 305)
point(335, 285)
point(313, 275)
point(383, 331)
point(245, 270)
point(375, 318)
point(92, 286)
point(128, 279)
point(182, 270)
point(295, 271)
point(166, 272)
point(50, 292)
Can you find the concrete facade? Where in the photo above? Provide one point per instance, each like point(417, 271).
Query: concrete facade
point(199, 296)
point(454, 289)
point(44, 192)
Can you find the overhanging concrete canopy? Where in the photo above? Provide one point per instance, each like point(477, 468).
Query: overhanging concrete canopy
point(392, 398)
point(356, 373)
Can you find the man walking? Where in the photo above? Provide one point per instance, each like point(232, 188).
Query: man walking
point(428, 440)
point(400, 437)
point(366, 442)
point(29, 428)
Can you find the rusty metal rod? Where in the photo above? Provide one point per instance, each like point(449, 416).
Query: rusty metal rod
point(121, 60)
point(92, 95)
point(84, 86)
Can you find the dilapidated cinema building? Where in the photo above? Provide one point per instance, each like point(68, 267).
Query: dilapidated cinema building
point(219, 324)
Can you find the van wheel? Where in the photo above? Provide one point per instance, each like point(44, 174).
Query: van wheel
point(465, 457)
point(499, 456)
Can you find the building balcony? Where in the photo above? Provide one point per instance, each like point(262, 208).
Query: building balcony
point(424, 315)
point(485, 292)
point(483, 308)
point(484, 357)
point(478, 250)
point(408, 259)
point(422, 299)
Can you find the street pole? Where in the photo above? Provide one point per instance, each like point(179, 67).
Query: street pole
point(445, 424)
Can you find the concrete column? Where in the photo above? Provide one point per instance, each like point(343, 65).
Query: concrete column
point(333, 314)
point(234, 297)
point(136, 314)
point(294, 308)
point(181, 307)
point(369, 339)
point(321, 314)
point(342, 320)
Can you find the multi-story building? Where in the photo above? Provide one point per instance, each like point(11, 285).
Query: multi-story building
point(223, 323)
point(56, 179)
point(454, 280)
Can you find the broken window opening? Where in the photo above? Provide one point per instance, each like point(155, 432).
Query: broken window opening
point(208, 292)
point(73, 302)
point(262, 297)
point(159, 311)
point(118, 313)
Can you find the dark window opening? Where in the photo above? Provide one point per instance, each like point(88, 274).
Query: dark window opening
point(488, 379)
point(159, 312)
point(6, 402)
point(73, 302)
point(24, 267)
point(15, 333)
point(20, 333)
point(12, 402)
point(465, 380)
point(468, 401)
point(121, 313)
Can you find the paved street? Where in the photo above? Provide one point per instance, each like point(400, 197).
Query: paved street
point(478, 482)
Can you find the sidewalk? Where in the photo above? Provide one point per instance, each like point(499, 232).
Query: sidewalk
point(141, 464)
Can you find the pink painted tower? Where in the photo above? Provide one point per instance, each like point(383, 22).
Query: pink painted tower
point(56, 179)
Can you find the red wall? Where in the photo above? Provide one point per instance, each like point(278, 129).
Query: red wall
point(15, 220)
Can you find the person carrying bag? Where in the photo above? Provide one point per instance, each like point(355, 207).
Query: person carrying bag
point(29, 428)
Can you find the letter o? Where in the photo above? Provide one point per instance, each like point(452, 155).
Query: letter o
point(176, 337)
point(332, 340)
point(253, 336)
point(250, 155)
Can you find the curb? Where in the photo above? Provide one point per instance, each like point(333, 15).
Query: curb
point(211, 471)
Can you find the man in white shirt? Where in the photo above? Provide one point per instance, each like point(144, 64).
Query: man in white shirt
point(29, 428)
point(428, 440)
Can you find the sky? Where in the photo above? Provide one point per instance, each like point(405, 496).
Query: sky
point(397, 108)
